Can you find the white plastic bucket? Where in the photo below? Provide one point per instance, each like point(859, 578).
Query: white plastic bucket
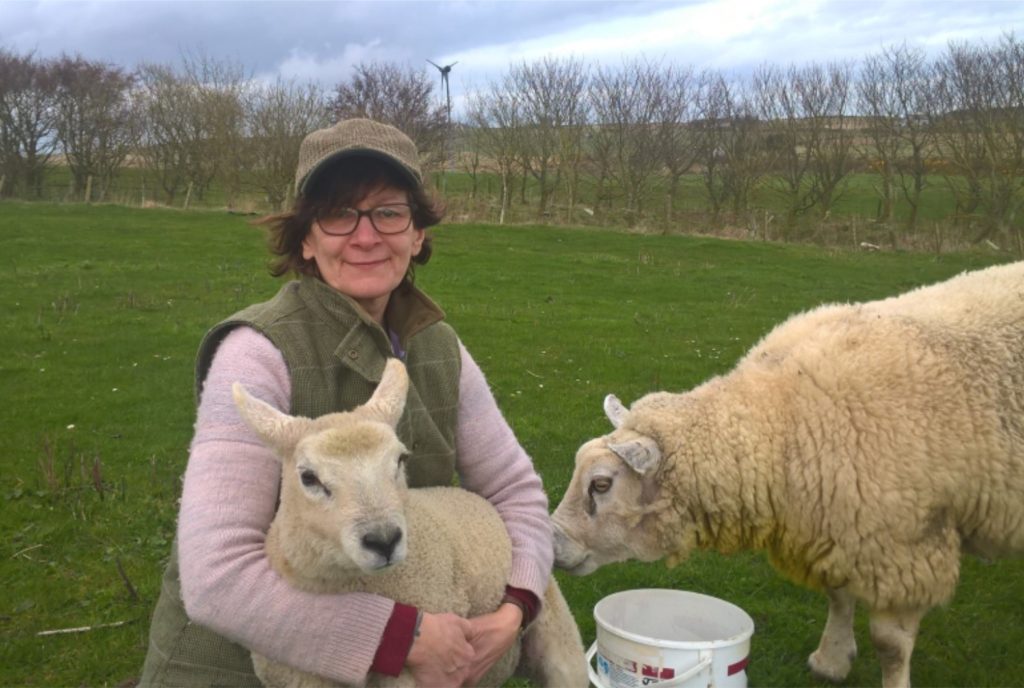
point(669, 638)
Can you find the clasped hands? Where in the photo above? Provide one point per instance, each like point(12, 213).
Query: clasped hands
point(451, 651)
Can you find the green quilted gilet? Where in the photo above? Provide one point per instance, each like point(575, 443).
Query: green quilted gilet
point(335, 355)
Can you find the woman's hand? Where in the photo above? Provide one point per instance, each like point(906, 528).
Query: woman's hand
point(491, 636)
point(441, 655)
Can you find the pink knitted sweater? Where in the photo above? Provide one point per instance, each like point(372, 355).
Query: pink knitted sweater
point(229, 499)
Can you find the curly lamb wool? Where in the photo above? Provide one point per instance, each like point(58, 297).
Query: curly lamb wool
point(864, 447)
point(347, 523)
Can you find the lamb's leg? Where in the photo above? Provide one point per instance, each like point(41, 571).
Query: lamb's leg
point(838, 647)
point(552, 649)
point(893, 635)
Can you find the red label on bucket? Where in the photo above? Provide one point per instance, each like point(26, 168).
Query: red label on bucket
point(662, 674)
point(738, 666)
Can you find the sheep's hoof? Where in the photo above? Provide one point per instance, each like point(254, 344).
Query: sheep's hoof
point(828, 668)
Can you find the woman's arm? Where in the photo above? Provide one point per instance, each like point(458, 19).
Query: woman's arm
point(493, 464)
point(228, 501)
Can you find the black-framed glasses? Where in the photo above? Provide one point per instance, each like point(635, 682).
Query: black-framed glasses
point(392, 218)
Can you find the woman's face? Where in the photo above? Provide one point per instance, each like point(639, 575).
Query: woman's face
point(365, 265)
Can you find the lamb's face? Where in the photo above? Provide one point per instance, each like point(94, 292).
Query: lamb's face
point(347, 487)
point(600, 518)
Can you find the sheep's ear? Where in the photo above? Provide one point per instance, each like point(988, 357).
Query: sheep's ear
point(642, 454)
point(388, 400)
point(615, 410)
point(278, 430)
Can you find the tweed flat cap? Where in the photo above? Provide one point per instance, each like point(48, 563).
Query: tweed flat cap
point(357, 137)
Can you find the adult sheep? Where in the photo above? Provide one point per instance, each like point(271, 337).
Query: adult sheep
point(864, 447)
point(347, 522)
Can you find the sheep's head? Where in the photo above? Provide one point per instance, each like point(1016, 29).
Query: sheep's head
point(601, 517)
point(343, 475)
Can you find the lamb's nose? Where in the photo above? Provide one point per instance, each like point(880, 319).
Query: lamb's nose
point(383, 542)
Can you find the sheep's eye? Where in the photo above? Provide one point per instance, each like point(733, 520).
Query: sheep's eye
point(597, 486)
point(310, 480)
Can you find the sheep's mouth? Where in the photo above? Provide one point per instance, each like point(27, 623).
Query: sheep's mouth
point(377, 563)
point(380, 565)
point(579, 566)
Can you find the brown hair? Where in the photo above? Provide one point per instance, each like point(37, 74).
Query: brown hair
point(342, 185)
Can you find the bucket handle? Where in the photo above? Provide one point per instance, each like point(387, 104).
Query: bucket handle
point(703, 664)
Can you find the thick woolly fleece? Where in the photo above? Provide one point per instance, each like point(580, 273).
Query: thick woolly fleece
point(230, 496)
point(863, 446)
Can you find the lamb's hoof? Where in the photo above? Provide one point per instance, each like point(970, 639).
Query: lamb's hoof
point(830, 670)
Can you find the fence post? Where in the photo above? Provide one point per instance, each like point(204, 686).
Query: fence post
point(188, 195)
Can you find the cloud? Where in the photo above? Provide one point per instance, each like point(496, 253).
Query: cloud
point(322, 41)
point(307, 66)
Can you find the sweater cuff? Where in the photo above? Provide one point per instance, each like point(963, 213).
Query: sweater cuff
point(396, 641)
point(525, 600)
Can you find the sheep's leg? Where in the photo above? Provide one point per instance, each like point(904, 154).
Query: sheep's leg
point(838, 647)
point(552, 652)
point(893, 634)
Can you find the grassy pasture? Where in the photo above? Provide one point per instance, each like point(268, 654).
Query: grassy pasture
point(104, 308)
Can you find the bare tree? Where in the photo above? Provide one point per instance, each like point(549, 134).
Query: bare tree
point(400, 96)
point(789, 137)
point(894, 91)
point(193, 126)
point(732, 156)
point(626, 101)
point(980, 129)
point(679, 143)
point(27, 107)
point(551, 93)
point(829, 94)
point(173, 129)
point(960, 140)
point(805, 110)
point(95, 121)
point(570, 143)
point(219, 88)
point(278, 116)
point(497, 115)
point(469, 153)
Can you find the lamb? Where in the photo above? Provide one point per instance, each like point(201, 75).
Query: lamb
point(864, 447)
point(347, 522)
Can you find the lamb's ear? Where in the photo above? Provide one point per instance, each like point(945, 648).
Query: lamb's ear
point(388, 400)
point(615, 410)
point(642, 454)
point(278, 430)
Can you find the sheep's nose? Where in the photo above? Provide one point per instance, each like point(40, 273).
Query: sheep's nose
point(383, 542)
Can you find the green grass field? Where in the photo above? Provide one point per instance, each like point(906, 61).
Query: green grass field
point(105, 306)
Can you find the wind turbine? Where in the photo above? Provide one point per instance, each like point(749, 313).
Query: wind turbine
point(445, 71)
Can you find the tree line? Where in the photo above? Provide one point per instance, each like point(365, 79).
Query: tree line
point(555, 137)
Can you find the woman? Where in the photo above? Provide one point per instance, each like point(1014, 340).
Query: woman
point(319, 346)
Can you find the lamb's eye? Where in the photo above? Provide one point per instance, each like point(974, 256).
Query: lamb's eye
point(600, 485)
point(310, 480)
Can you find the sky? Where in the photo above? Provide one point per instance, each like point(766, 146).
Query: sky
point(322, 41)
